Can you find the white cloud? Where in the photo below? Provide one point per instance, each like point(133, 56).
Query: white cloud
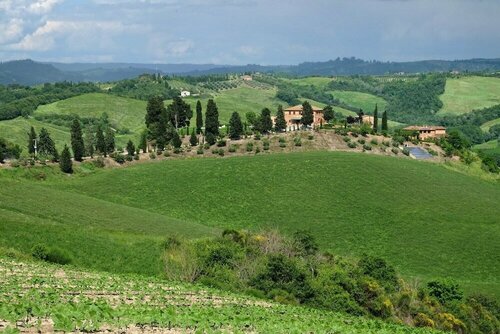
point(11, 30)
point(42, 6)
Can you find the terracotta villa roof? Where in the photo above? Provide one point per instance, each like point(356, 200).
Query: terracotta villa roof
point(421, 128)
point(299, 108)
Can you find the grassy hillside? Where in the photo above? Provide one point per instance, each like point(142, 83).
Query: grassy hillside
point(16, 130)
point(364, 101)
point(486, 126)
point(468, 93)
point(96, 233)
point(315, 81)
point(89, 301)
point(422, 225)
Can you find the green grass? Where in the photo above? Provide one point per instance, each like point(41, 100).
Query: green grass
point(486, 126)
point(86, 301)
point(364, 101)
point(489, 145)
point(99, 234)
point(307, 81)
point(425, 219)
point(337, 109)
point(465, 94)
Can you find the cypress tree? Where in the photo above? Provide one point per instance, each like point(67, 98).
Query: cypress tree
point(280, 123)
point(199, 118)
point(100, 141)
point(328, 113)
point(211, 122)
point(384, 121)
point(31, 141)
point(265, 121)
point(176, 140)
point(193, 140)
point(375, 119)
point(154, 110)
point(46, 145)
point(235, 126)
point(77, 140)
point(143, 144)
point(307, 114)
point(130, 148)
point(89, 141)
point(66, 165)
point(109, 139)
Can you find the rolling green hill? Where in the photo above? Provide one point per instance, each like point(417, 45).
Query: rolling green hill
point(465, 94)
point(364, 101)
point(486, 126)
point(421, 225)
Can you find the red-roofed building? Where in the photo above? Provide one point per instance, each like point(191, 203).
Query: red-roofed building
point(293, 116)
point(427, 132)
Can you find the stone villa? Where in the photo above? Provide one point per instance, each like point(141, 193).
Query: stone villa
point(427, 132)
point(293, 115)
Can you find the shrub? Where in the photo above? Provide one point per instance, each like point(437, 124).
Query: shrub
point(206, 146)
point(379, 269)
point(129, 157)
point(395, 150)
point(249, 147)
point(257, 136)
point(118, 157)
point(406, 151)
point(297, 141)
point(176, 150)
point(40, 252)
point(386, 143)
point(221, 143)
point(282, 145)
point(210, 138)
point(310, 137)
point(352, 145)
point(374, 141)
point(423, 320)
point(232, 148)
point(221, 152)
point(444, 291)
point(266, 146)
point(152, 155)
point(361, 141)
point(199, 150)
point(257, 150)
point(282, 140)
point(346, 139)
point(367, 147)
point(432, 152)
point(136, 157)
point(54, 255)
point(99, 162)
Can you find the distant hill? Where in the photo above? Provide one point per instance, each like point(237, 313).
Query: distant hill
point(29, 72)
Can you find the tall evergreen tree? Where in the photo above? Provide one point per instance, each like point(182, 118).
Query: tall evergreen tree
point(265, 121)
point(328, 113)
point(154, 110)
point(193, 140)
point(77, 140)
point(199, 118)
point(109, 139)
point(180, 113)
point(307, 114)
point(89, 141)
point(384, 121)
point(280, 123)
point(176, 140)
point(375, 119)
point(65, 164)
point(100, 141)
point(130, 148)
point(211, 122)
point(143, 144)
point(46, 145)
point(235, 126)
point(31, 141)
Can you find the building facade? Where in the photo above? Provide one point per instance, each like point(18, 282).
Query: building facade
point(428, 132)
point(293, 116)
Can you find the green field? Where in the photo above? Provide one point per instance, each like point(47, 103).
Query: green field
point(486, 126)
point(465, 94)
point(364, 101)
point(424, 228)
point(87, 301)
point(314, 81)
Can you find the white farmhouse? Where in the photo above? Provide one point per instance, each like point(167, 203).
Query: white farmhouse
point(185, 93)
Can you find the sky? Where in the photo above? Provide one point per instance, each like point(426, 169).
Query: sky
point(267, 32)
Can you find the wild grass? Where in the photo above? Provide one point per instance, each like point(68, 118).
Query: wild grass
point(364, 101)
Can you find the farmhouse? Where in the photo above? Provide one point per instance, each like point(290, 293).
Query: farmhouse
point(185, 93)
point(293, 116)
point(368, 119)
point(246, 78)
point(427, 132)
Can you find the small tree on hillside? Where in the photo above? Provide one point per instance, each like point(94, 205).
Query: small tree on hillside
point(176, 140)
point(154, 110)
point(199, 117)
point(265, 121)
point(280, 123)
point(307, 114)
point(328, 113)
point(180, 113)
point(65, 164)
point(100, 141)
point(31, 141)
point(252, 118)
point(46, 145)
point(77, 144)
point(235, 126)
point(384, 121)
point(375, 119)
point(193, 140)
point(143, 143)
point(110, 140)
point(130, 148)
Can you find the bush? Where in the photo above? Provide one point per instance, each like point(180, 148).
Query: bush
point(99, 162)
point(129, 158)
point(282, 140)
point(374, 141)
point(386, 143)
point(210, 138)
point(297, 141)
point(379, 269)
point(367, 147)
point(152, 155)
point(361, 141)
point(232, 148)
point(118, 157)
point(346, 139)
point(199, 150)
point(221, 143)
point(352, 145)
point(257, 136)
point(257, 150)
point(39, 252)
point(53, 255)
point(136, 156)
point(310, 137)
point(282, 145)
point(444, 291)
point(406, 151)
point(266, 146)
point(177, 150)
point(249, 147)
point(395, 150)
point(206, 146)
